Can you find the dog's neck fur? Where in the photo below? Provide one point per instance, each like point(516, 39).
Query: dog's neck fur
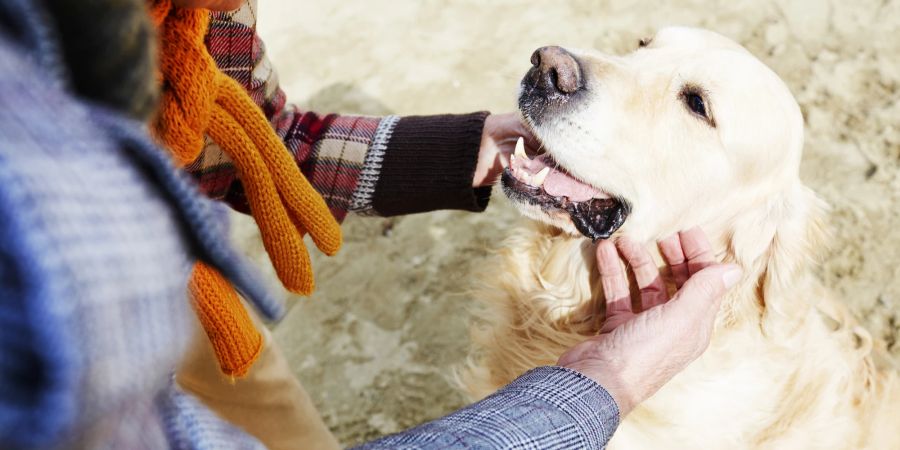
point(776, 242)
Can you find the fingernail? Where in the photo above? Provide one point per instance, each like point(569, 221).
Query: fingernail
point(731, 275)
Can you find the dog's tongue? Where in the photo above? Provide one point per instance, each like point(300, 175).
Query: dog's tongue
point(559, 184)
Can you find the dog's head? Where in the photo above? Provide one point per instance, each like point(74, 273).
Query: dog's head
point(688, 129)
point(683, 130)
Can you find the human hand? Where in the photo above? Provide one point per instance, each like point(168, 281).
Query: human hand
point(636, 353)
point(498, 140)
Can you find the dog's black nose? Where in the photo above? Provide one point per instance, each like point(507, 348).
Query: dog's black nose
point(555, 70)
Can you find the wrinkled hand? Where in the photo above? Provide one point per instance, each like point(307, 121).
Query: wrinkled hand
point(498, 141)
point(636, 353)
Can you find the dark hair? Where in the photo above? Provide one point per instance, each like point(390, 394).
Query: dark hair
point(109, 47)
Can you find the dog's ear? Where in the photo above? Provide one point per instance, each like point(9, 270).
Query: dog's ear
point(777, 242)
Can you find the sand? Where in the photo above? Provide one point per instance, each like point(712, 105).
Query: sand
point(375, 344)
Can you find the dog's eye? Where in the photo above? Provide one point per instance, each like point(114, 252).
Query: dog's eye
point(695, 103)
point(645, 42)
point(694, 98)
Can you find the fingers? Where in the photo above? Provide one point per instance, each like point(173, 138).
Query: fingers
point(646, 274)
point(686, 253)
point(697, 303)
point(707, 286)
point(532, 144)
point(696, 250)
point(613, 279)
point(513, 127)
point(670, 248)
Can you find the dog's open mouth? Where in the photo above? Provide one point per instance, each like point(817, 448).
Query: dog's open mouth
point(542, 182)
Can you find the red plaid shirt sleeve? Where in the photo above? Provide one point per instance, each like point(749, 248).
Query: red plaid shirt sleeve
point(329, 149)
point(370, 165)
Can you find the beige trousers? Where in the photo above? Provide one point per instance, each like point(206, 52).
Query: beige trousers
point(269, 403)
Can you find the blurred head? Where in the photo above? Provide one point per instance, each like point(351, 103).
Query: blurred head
point(213, 5)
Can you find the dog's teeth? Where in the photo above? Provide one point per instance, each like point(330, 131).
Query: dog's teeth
point(538, 180)
point(512, 160)
point(520, 148)
point(526, 177)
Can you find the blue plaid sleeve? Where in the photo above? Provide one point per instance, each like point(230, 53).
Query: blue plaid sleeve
point(546, 408)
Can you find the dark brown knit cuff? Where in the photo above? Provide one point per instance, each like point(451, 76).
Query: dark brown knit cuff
point(429, 164)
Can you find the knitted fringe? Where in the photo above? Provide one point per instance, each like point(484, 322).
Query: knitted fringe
point(234, 338)
point(198, 100)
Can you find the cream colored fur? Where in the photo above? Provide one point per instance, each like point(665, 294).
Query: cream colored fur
point(788, 367)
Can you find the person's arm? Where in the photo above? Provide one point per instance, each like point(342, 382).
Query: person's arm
point(547, 407)
point(373, 165)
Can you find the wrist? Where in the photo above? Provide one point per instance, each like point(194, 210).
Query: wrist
point(609, 380)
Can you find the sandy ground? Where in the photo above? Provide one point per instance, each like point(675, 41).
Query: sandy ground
point(375, 344)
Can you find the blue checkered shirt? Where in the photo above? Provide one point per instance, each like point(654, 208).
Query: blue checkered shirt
point(545, 409)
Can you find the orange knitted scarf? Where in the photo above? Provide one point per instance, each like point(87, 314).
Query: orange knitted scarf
point(200, 100)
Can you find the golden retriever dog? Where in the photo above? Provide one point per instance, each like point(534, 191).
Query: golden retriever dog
point(689, 129)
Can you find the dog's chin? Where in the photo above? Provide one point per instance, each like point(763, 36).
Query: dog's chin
point(555, 219)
